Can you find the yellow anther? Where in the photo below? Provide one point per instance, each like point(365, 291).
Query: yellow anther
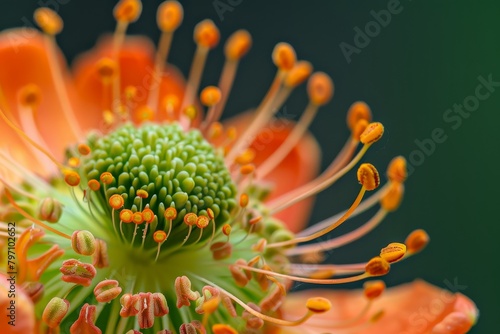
point(238, 44)
point(137, 218)
point(359, 128)
point(243, 200)
point(396, 171)
point(159, 236)
point(206, 34)
point(202, 221)
point(142, 193)
point(190, 219)
point(246, 157)
point(284, 56)
point(83, 149)
point(393, 252)
point(74, 162)
point(106, 178)
point(48, 20)
point(126, 216)
point(298, 74)
point(116, 201)
point(318, 305)
point(416, 241)
point(30, 96)
point(143, 114)
point(210, 213)
point(320, 88)
point(223, 329)
point(226, 229)
point(190, 112)
point(373, 289)
point(170, 213)
point(94, 185)
point(247, 169)
point(377, 266)
point(106, 68)
point(127, 10)
point(169, 16)
point(211, 305)
point(373, 132)
point(357, 111)
point(393, 196)
point(368, 176)
point(148, 215)
point(210, 96)
point(72, 178)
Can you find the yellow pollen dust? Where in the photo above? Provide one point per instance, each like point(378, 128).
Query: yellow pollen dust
point(48, 20)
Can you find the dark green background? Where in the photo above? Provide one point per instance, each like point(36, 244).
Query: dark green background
point(427, 59)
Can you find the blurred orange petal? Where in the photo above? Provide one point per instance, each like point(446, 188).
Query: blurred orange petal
point(16, 309)
point(413, 308)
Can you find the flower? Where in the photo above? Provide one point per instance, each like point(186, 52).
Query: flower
point(128, 207)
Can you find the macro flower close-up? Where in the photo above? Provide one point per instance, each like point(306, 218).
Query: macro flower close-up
point(130, 203)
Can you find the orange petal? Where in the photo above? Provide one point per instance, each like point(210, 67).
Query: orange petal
point(21, 312)
point(415, 308)
point(24, 50)
point(300, 166)
point(136, 69)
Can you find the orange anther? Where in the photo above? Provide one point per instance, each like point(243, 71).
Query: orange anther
point(83, 149)
point(247, 169)
point(74, 162)
point(298, 74)
point(143, 114)
point(377, 266)
point(368, 176)
point(106, 178)
point(210, 96)
point(148, 215)
point(190, 112)
point(48, 20)
point(243, 200)
point(127, 10)
point(226, 229)
point(159, 236)
point(169, 16)
point(359, 128)
point(142, 193)
point(126, 216)
point(202, 221)
point(393, 252)
point(94, 185)
point(320, 88)
point(396, 171)
point(171, 102)
point(416, 241)
point(137, 218)
point(206, 34)
point(246, 157)
point(372, 133)
point(373, 289)
point(255, 220)
point(238, 44)
point(190, 218)
point(210, 213)
point(215, 130)
point(318, 305)
point(393, 197)
point(72, 178)
point(284, 56)
point(30, 96)
point(170, 213)
point(106, 68)
point(357, 111)
point(116, 201)
point(223, 329)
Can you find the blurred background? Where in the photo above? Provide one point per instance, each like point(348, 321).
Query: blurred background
point(415, 67)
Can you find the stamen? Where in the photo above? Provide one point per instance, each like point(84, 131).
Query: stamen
point(320, 90)
point(359, 110)
point(314, 306)
point(159, 237)
point(237, 45)
point(416, 241)
point(51, 24)
point(369, 178)
point(206, 36)
point(210, 96)
point(372, 134)
point(190, 219)
point(397, 171)
point(169, 17)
